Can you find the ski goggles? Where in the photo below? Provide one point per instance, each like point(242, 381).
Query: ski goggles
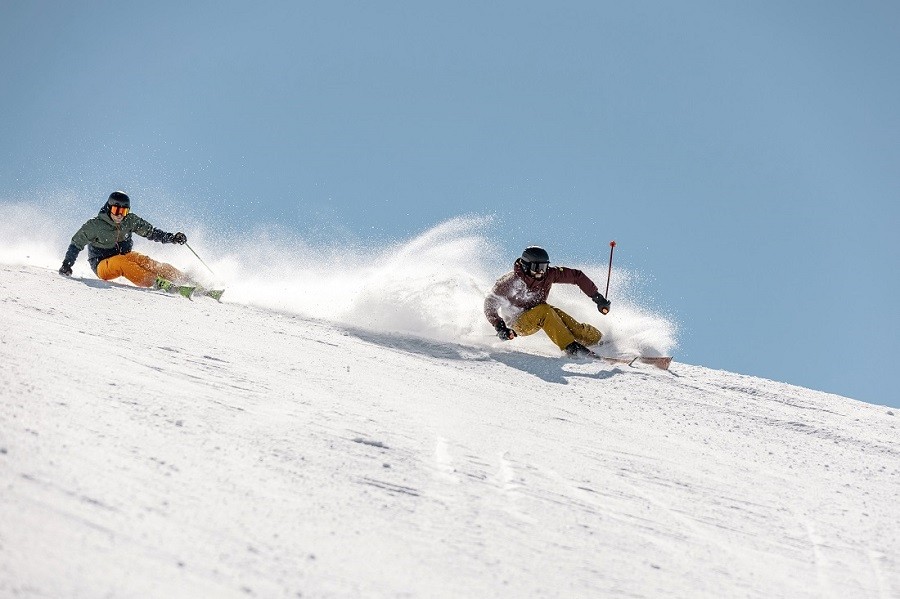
point(118, 210)
point(538, 268)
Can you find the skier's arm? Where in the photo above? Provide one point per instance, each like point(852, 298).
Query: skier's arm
point(79, 240)
point(576, 277)
point(69, 260)
point(145, 229)
point(492, 312)
point(163, 237)
point(492, 309)
point(495, 299)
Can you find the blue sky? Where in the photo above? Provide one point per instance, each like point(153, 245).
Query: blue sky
point(745, 156)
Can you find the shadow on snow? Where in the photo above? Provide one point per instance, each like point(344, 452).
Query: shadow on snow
point(549, 369)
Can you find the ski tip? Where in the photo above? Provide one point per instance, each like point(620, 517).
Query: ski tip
point(662, 362)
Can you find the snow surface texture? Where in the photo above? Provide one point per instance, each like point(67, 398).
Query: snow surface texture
point(152, 446)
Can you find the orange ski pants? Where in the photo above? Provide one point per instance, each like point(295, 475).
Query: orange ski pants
point(137, 268)
point(559, 326)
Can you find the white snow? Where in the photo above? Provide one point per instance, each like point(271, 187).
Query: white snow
point(156, 447)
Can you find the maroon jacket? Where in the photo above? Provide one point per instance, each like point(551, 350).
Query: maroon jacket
point(517, 292)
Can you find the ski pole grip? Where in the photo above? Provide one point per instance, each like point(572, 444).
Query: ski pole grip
point(604, 311)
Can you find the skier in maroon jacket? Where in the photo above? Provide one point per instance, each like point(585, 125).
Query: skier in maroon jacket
point(522, 296)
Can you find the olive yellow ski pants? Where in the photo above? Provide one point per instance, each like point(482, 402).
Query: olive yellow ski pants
point(559, 326)
point(137, 268)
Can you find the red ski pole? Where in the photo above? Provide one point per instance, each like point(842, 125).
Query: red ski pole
point(612, 246)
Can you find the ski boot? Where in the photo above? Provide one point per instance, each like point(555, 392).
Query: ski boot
point(163, 284)
point(170, 287)
point(577, 350)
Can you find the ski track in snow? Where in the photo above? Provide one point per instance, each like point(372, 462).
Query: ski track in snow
point(156, 447)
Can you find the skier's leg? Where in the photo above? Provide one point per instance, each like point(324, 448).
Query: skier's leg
point(121, 266)
point(544, 317)
point(584, 333)
point(159, 269)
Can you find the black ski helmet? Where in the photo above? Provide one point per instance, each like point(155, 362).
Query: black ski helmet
point(535, 261)
point(119, 198)
point(535, 254)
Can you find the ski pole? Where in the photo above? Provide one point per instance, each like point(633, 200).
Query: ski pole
point(200, 259)
point(612, 246)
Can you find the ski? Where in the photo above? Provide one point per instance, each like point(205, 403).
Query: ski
point(216, 294)
point(185, 291)
point(661, 362)
point(188, 290)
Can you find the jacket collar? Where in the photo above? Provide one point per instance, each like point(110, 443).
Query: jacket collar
point(105, 217)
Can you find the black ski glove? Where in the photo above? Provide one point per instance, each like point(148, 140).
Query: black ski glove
point(180, 238)
point(505, 332)
point(66, 268)
point(602, 303)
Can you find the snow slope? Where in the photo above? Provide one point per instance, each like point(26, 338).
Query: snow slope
point(156, 447)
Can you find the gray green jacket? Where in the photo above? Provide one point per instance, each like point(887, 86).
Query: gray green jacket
point(105, 238)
